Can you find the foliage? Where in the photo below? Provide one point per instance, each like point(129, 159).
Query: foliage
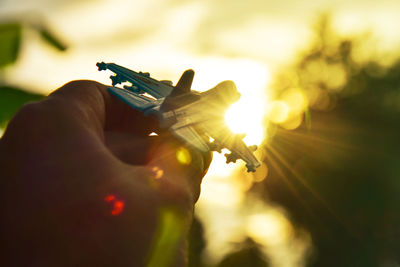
point(167, 238)
point(249, 254)
point(196, 244)
point(340, 179)
point(10, 39)
point(50, 38)
point(11, 97)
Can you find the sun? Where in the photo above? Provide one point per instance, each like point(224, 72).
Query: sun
point(251, 78)
point(247, 114)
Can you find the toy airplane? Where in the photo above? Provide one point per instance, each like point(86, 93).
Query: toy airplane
point(193, 117)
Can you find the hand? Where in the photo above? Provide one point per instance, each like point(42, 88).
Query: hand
point(84, 185)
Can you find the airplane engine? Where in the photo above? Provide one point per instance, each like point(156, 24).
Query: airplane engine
point(167, 82)
point(250, 168)
point(145, 74)
point(231, 157)
point(134, 89)
point(215, 147)
point(116, 79)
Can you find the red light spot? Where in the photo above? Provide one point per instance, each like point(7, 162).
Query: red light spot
point(117, 205)
point(109, 198)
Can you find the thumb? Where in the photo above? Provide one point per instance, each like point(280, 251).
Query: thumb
point(178, 170)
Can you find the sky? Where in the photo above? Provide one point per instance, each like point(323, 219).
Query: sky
point(167, 36)
point(243, 41)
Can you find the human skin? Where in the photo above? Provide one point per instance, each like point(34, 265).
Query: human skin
point(66, 161)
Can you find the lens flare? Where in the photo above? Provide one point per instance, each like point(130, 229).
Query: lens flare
point(269, 228)
point(278, 111)
point(247, 115)
point(251, 78)
point(183, 156)
point(157, 172)
point(117, 206)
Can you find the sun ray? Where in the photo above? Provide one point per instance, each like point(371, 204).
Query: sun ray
point(315, 140)
point(317, 196)
point(275, 164)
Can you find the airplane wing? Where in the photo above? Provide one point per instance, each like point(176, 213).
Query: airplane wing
point(191, 137)
point(134, 100)
point(141, 82)
point(223, 137)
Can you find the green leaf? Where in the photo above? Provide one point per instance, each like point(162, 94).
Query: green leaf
point(11, 99)
point(10, 39)
point(51, 39)
point(307, 114)
point(169, 232)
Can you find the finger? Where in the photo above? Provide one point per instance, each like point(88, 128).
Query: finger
point(96, 108)
point(207, 158)
point(131, 149)
point(178, 170)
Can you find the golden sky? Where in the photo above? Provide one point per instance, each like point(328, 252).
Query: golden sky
point(166, 37)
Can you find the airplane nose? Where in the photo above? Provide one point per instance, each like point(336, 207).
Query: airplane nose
point(231, 90)
point(237, 96)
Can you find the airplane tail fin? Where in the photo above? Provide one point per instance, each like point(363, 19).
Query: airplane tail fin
point(184, 84)
point(180, 95)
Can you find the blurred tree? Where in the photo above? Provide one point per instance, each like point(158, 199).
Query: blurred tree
point(341, 179)
point(11, 97)
point(196, 244)
point(249, 254)
point(10, 39)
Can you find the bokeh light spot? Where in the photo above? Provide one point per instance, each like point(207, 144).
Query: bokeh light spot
point(183, 156)
point(295, 99)
point(117, 206)
point(109, 198)
point(336, 77)
point(293, 122)
point(278, 111)
point(269, 228)
point(157, 172)
point(261, 173)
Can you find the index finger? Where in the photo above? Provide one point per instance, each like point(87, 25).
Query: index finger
point(99, 110)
